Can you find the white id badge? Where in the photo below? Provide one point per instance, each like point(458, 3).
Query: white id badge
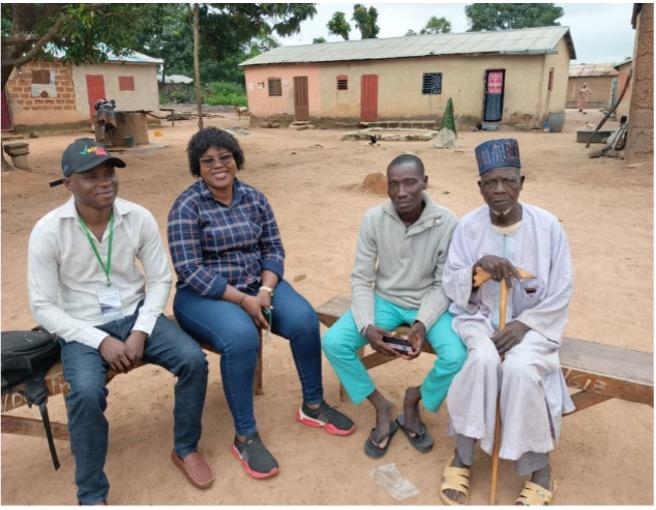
point(110, 304)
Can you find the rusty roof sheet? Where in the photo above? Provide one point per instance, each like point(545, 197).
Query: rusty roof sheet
point(527, 41)
point(579, 70)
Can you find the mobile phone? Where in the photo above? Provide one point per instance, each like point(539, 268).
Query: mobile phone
point(398, 344)
point(267, 315)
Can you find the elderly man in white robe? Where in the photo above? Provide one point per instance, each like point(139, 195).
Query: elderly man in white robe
point(501, 238)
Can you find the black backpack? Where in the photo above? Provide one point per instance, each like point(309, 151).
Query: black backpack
point(26, 358)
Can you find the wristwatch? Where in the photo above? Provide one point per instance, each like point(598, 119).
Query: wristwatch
point(267, 289)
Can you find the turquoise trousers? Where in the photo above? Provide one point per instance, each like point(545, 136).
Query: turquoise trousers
point(342, 341)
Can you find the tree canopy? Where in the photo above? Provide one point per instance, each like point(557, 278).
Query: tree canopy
point(318, 40)
point(366, 19)
point(339, 26)
point(437, 25)
point(81, 33)
point(508, 16)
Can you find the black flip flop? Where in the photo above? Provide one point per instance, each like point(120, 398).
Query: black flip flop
point(375, 451)
point(421, 440)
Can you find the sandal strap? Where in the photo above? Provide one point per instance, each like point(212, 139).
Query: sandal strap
point(534, 494)
point(456, 479)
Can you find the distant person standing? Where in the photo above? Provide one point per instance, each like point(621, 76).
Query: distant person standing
point(584, 92)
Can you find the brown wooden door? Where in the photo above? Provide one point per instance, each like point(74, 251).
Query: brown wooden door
point(301, 106)
point(369, 98)
point(95, 91)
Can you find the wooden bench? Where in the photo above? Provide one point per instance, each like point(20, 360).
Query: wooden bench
point(600, 372)
point(56, 384)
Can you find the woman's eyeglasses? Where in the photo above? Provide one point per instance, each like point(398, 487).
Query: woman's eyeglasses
point(224, 159)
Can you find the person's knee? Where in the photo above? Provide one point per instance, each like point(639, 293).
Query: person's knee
point(454, 357)
point(332, 343)
point(240, 340)
point(193, 360)
point(519, 368)
point(88, 393)
point(486, 357)
point(304, 321)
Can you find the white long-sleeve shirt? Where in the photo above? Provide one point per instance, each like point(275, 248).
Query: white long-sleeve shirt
point(64, 276)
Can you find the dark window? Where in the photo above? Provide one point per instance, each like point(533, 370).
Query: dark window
point(125, 83)
point(42, 77)
point(342, 83)
point(432, 84)
point(275, 87)
point(551, 73)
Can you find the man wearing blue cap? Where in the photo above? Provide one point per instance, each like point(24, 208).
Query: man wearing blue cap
point(501, 238)
point(85, 286)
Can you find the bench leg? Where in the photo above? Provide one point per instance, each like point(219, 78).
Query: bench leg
point(32, 427)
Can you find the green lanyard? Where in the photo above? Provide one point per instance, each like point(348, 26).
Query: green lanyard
point(107, 268)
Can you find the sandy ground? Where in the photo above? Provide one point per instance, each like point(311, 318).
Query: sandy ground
point(313, 182)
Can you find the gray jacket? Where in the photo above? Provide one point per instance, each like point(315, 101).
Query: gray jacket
point(402, 264)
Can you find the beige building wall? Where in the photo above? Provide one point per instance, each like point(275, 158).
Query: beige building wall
point(261, 104)
point(599, 85)
point(527, 99)
point(553, 100)
point(145, 95)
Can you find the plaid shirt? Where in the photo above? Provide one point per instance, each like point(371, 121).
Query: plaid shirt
point(213, 245)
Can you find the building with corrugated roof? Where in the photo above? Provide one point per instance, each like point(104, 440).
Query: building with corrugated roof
point(598, 78)
point(509, 76)
point(53, 92)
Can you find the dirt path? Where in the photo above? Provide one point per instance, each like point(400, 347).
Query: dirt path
point(313, 182)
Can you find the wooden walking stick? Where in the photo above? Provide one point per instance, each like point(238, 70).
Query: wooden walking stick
point(480, 278)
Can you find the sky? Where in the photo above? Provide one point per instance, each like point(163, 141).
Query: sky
point(601, 32)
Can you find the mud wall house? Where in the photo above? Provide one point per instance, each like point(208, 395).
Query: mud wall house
point(623, 69)
point(640, 134)
point(599, 79)
point(512, 76)
point(54, 93)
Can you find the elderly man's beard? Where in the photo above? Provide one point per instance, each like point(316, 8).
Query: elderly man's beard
point(502, 213)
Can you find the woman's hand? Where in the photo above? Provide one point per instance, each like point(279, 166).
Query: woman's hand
point(264, 298)
point(252, 306)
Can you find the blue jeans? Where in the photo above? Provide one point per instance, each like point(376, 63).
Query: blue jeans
point(85, 371)
point(230, 330)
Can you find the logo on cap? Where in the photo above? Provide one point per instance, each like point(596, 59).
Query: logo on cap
point(93, 149)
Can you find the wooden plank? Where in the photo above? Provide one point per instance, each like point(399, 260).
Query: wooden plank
point(641, 393)
point(596, 368)
point(32, 427)
point(585, 399)
point(617, 362)
point(333, 309)
point(56, 383)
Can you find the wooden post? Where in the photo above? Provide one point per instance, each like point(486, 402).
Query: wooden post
point(199, 93)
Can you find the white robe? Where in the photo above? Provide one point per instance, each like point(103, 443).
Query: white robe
point(534, 396)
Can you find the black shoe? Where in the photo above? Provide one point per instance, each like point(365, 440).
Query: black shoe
point(326, 417)
point(256, 460)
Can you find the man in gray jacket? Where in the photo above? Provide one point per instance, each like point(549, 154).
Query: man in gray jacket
point(397, 279)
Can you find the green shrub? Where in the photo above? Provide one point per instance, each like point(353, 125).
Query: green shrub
point(448, 120)
point(225, 93)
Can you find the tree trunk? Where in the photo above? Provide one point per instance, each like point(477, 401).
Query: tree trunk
point(199, 94)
